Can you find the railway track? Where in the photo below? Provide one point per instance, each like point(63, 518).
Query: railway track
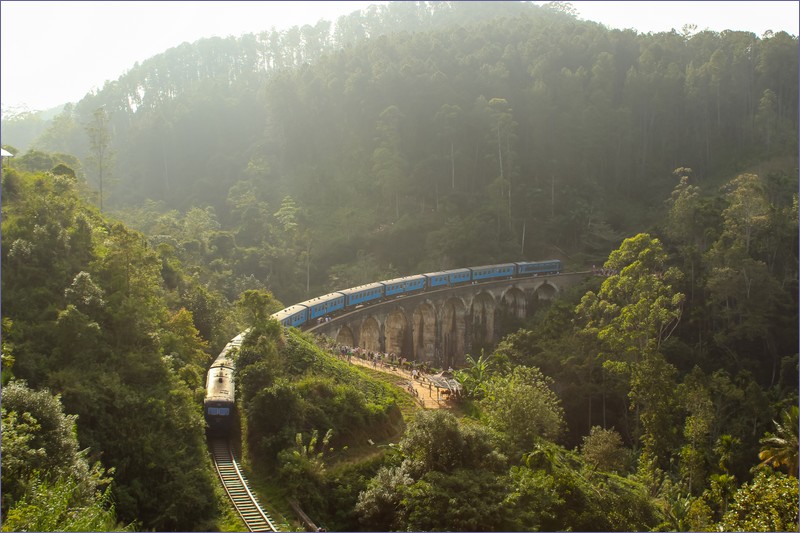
point(236, 486)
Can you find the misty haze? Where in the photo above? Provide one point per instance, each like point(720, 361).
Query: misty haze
point(432, 266)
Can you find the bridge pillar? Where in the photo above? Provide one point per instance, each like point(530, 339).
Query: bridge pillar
point(382, 338)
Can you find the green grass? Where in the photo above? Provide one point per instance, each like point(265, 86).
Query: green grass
point(408, 405)
point(230, 519)
point(273, 499)
point(383, 388)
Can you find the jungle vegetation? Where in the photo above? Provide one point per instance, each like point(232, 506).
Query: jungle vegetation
point(149, 223)
point(419, 136)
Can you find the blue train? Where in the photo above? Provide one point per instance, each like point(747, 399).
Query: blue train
point(318, 309)
point(218, 406)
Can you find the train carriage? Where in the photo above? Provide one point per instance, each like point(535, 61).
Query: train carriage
point(363, 294)
point(324, 305)
point(539, 267)
point(220, 396)
point(219, 401)
point(294, 316)
point(237, 341)
point(448, 278)
point(459, 276)
point(402, 286)
point(501, 271)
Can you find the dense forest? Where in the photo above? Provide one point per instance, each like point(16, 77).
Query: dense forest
point(436, 141)
point(149, 223)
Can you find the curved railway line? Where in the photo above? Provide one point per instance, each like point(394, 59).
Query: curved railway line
point(236, 486)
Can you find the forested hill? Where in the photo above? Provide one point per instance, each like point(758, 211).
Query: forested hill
point(410, 138)
point(421, 135)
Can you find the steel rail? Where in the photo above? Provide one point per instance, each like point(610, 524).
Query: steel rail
point(236, 487)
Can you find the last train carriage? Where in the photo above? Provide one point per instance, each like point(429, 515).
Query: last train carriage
point(219, 400)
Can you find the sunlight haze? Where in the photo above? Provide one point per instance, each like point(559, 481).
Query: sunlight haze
point(56, 52)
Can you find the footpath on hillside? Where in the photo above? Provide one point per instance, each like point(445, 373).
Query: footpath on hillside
point(423, 389)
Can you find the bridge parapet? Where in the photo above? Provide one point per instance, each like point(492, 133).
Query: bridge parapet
point(442, 326)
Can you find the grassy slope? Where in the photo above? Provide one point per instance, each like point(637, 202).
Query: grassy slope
point(375, 384)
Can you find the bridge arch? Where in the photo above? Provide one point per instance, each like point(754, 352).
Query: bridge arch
point(345, 336)
point(545, 291)
point(370, 338)
point(515, 301)
point(482, 313)
point(423, 323)
point(397, 333)
point(453, 334)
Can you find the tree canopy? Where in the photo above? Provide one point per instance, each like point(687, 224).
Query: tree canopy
point(413, 137)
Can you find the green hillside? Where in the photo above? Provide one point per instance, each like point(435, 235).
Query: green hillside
point(217, 182)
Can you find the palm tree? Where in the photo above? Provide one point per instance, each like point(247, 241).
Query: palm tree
point(781, 448)
point(724, 448)
point(474, 377)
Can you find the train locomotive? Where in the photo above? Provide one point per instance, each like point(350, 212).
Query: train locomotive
point(319, 309)
point(218, 405)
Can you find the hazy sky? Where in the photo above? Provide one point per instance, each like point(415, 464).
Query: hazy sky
point(54, 52)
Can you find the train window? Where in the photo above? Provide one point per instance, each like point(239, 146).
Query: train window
point(224, 411)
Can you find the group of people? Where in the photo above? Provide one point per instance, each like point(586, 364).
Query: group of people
point(383, 359)
point(418, 371)
point(411, 389)
point(604, 271)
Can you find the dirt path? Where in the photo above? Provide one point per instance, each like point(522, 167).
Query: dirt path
point(426, 393)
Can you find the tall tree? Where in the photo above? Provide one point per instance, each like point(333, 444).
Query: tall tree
point(634, 312)
point(101, 155)
point(389, 163)
point(696, 401)
point(685, 224)
point(524, 407)
point(637, 308)
point(504, 134)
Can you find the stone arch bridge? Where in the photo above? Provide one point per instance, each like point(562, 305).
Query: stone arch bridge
point(442, 326)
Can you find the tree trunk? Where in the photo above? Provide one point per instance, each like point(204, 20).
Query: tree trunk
point(452, 166)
